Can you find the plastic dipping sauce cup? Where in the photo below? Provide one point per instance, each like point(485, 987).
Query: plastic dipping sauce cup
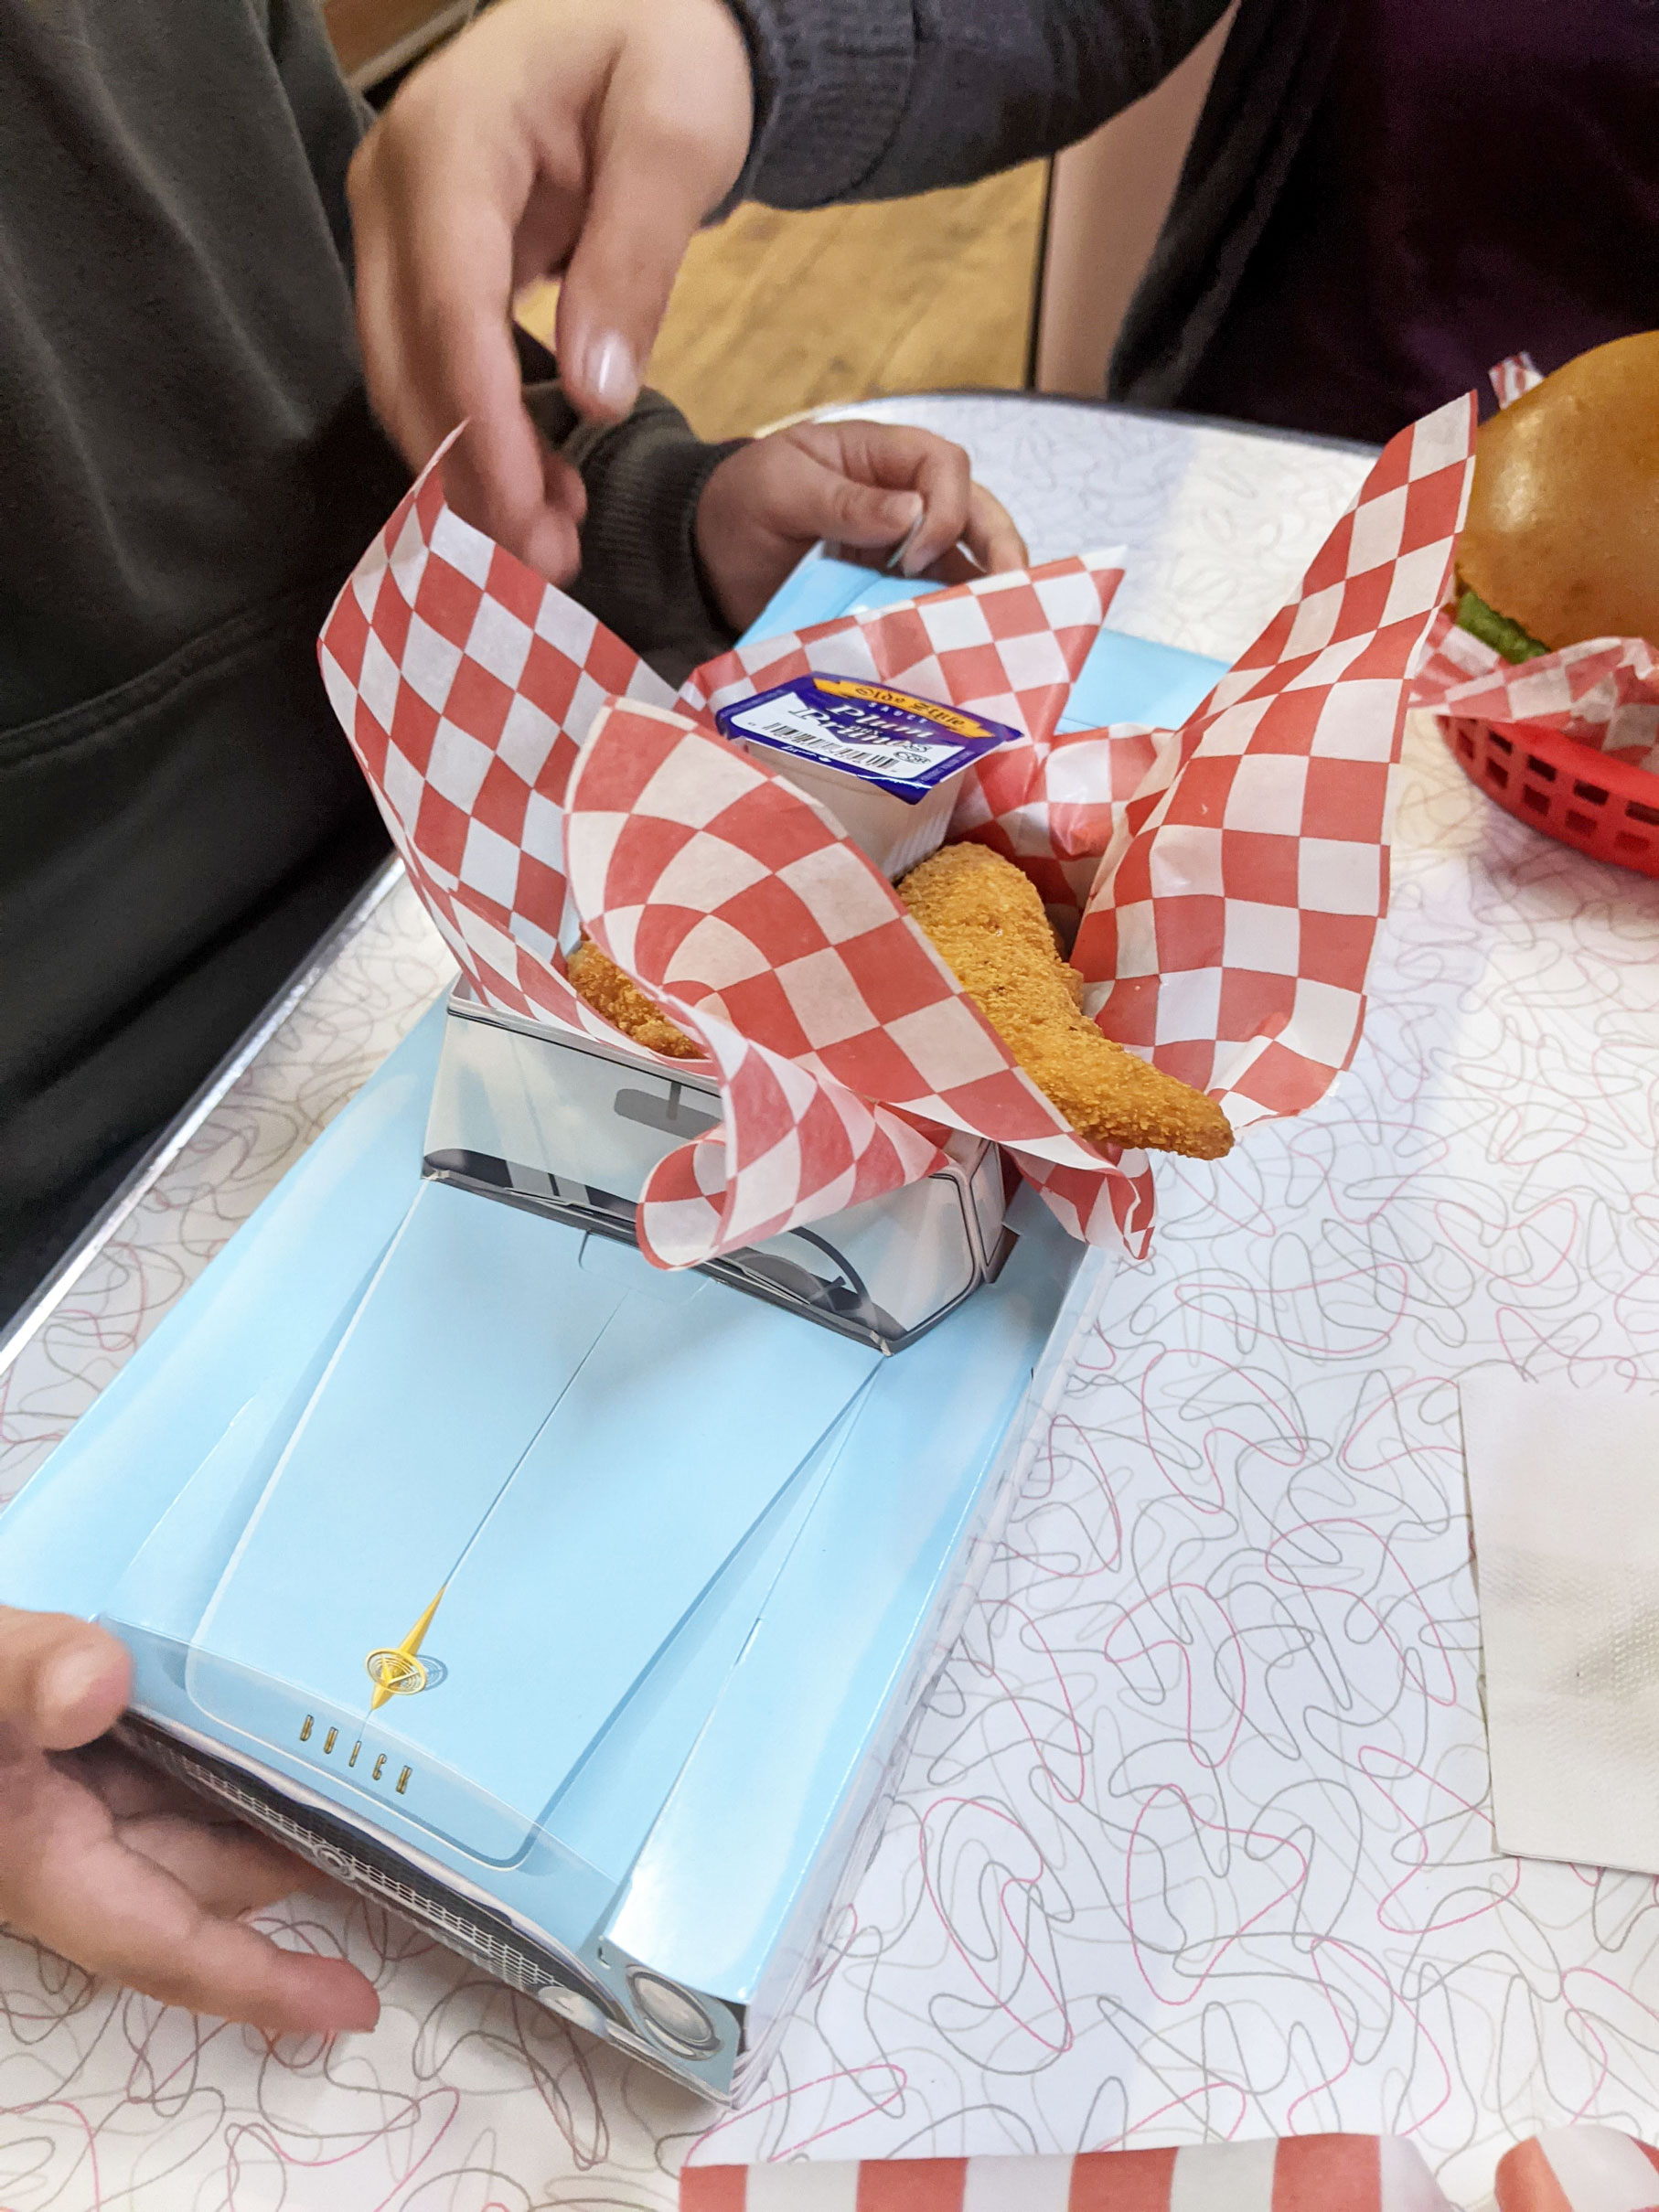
point(887, 765)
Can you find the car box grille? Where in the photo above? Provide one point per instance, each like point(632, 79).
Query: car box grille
point(373, 1870)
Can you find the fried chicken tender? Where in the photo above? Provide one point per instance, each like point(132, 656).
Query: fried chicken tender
point(986, 923)
point(619, 999)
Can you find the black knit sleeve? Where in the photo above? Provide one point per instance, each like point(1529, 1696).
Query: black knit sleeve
point(874, 99)
point(644, 476)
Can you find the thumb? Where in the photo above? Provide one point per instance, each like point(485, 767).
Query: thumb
point(62, 1681)
point(863, 515)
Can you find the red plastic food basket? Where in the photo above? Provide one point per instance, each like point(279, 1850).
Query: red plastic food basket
point(1584, 798)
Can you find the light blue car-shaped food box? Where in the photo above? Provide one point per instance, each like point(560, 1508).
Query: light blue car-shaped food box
point(574, 1610)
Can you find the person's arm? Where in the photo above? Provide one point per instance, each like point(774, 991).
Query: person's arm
point(875, 99)
point(683, 542)
point(644, 479)
point(590, 138)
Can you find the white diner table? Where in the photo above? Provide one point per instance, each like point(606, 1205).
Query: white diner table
point(1192, 1842)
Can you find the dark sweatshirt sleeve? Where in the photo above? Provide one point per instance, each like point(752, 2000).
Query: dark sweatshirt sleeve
point(874, 99)
point(640, 574)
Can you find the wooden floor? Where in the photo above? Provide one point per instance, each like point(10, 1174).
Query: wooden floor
point(774, 313)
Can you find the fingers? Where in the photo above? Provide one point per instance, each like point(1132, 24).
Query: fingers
point(944, 480)
point(990, 543)
point(484, 481)
point(438, 350)
point(70, 1882)
point(895, 454)
point(865, 487)
point(956, 509)
point(231, 1971)
point(595, 134)
point(437, 201)
point(433, 216)
point(769, 503)
point(148, 1915)
point(453, 362)
point(823, 503)
point(990, 536)
point(62, 1681)
point(227, 1868)
point(670, 137)
point(640, 219)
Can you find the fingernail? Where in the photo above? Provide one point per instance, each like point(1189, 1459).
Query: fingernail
point(912, 509)
point(610, 373)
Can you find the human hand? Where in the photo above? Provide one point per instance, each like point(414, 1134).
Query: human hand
point(122, 1871)
point(587, 138)
point(861, 485)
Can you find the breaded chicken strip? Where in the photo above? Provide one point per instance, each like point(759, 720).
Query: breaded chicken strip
point(987, 926)
point(619, 999)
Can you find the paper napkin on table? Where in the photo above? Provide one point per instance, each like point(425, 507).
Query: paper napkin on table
point(1564, 1488)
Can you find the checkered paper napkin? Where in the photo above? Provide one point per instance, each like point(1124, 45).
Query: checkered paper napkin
point(1230, 923)
point(537, 779)
point(1515, 374)
point(1573, 2169)
point(1604, 693)
point(1301, 2173)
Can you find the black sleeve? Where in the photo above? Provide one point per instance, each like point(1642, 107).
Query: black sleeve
point(874, 99)
point(640, 574)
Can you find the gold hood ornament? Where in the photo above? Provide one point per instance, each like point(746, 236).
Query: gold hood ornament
point(397, 1670)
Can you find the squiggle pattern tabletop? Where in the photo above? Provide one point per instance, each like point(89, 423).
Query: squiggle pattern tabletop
point(1193, 1841)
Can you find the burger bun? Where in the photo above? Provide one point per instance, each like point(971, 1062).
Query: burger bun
point(1562, 534)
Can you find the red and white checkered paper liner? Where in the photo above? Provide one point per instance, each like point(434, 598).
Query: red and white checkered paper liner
point(1574, 2169)
point(1231, 920)
point(834, 1026)
point(536, 777)
point(1515, 374)
point(1301, 2173)
point(1603, 692)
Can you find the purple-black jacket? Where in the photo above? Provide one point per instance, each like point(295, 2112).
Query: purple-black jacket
point(1382, 197)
